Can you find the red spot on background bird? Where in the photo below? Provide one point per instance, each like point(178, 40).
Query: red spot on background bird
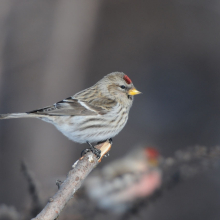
point(151, 153)
point(127, 79)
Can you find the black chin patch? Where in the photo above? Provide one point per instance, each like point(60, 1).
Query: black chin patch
point(130, 97)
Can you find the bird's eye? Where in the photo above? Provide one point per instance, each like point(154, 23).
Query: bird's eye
point(123, 87)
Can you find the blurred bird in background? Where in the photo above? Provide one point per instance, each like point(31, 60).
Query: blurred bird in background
point(143, 175)
point(119, 184)
point(9, 213)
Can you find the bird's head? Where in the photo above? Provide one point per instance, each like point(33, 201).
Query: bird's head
point(119, 87)
point(152, 155)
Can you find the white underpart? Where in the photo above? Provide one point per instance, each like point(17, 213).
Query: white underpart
point(111, 124)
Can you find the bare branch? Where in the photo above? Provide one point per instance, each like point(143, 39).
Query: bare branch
point(74, 180)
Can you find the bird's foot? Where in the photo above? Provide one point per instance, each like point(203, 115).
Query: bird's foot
point(85, 152)
point(96, 151)
point(92, 149)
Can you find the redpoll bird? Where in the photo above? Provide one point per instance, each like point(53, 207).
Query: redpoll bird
point(92, 115)
point(119, 184)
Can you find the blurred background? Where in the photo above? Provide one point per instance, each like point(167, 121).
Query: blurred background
point(49, 50)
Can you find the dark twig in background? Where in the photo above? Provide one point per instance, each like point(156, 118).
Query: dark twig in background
point(32, 188)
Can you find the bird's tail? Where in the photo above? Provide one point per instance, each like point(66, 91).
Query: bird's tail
point(18, 115)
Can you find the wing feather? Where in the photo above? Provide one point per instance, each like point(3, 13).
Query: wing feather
point(72, 107)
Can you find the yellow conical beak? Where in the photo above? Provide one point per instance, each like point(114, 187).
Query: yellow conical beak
point(133, 91)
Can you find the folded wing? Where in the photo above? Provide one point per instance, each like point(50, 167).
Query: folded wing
point(72, 107)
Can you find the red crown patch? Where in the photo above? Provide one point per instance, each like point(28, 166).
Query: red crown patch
point(127, 79)
point(151, 153)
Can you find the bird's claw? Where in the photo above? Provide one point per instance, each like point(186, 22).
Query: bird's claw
point(92, 149)
point(85, 152)
point(96, 151)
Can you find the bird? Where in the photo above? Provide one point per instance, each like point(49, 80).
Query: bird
point(95, 114)
point(119, 184)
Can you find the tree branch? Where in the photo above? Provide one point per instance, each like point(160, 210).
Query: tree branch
point(73, 182)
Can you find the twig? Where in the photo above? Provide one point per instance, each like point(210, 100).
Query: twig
point(32, 188)
point(81, 169)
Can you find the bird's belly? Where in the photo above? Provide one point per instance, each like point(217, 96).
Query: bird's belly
point(90, 128)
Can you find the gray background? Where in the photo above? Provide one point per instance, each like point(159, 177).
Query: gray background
point(170, 49)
